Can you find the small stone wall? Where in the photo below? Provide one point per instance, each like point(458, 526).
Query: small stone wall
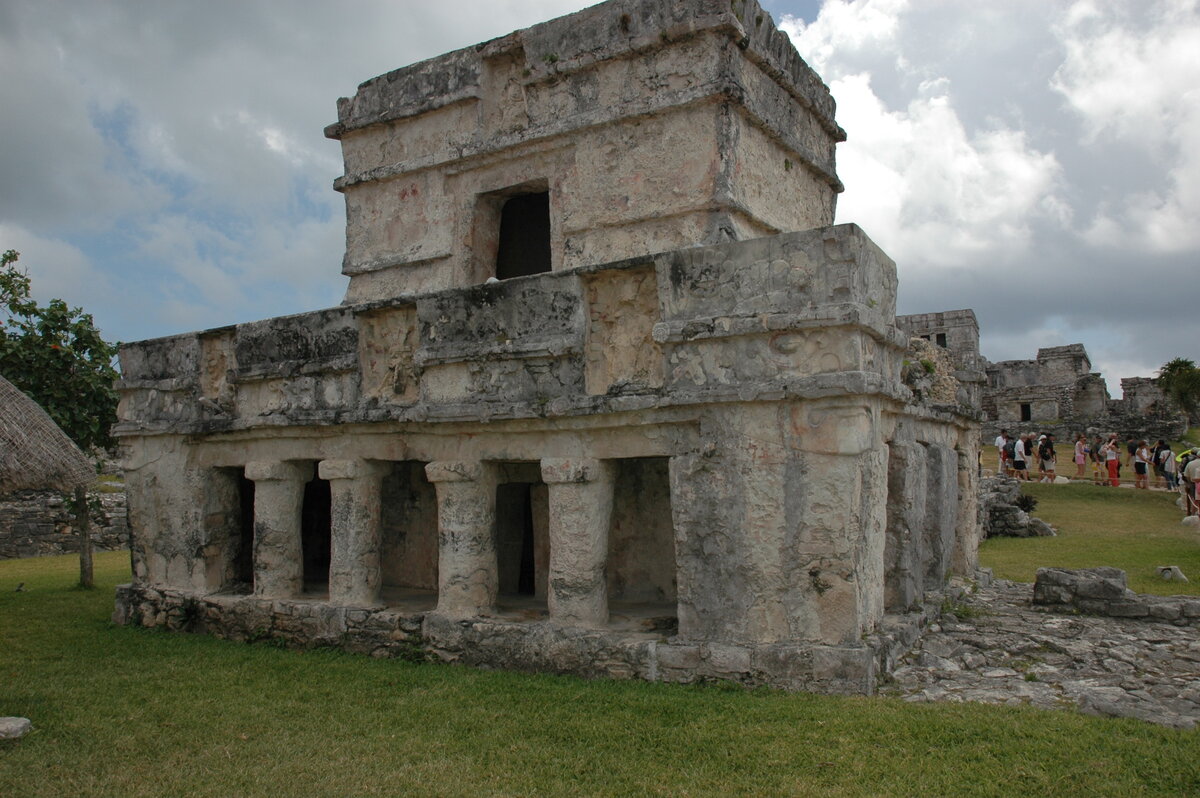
point(39, 523)
point(536, 646)
point(1103, 591)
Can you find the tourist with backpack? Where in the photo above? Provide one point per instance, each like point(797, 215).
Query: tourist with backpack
point(1047, 459)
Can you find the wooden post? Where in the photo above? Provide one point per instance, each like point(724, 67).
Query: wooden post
point(85, 537)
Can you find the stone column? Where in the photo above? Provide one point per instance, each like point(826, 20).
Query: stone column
point(904, 549)
point(967, 531)
point(467, 573)
point(278, 504)
point(581, 498)
point(355, 488)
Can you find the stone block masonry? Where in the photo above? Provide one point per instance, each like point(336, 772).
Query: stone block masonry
point(1103, 591)
point(661, 451)
point(38, 523)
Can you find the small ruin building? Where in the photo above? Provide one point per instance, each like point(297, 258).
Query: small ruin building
point(609, 393)
point(1055, 392)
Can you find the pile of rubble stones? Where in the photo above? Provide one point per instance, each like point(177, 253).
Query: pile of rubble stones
point(996, 647)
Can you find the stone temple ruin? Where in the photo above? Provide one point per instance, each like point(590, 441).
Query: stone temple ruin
point(608, 394)
point(1055, 392)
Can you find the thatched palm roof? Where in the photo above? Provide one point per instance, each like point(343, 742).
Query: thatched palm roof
point(34, 453)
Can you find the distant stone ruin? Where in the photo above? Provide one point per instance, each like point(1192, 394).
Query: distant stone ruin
point(609, 394)
point(1055, 392)
point(36, 523)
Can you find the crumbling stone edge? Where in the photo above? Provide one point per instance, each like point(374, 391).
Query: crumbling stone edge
point(540, 646)
point(1104, 591)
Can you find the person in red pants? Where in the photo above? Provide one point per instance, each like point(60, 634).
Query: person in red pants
point(1112, 460)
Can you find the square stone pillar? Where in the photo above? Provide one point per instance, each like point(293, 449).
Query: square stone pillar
point(904, 549)
point(467, 570)
point(967, 531)
point(278, 505)
point(779, 525)
point(356, 488)
point(581, 498)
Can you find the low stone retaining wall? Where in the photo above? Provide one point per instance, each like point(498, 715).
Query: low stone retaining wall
point(38, 523)
point(539, 646)
point(1103, 591)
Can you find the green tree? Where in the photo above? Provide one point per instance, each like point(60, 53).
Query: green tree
point(1180, 381)
point(55, 354)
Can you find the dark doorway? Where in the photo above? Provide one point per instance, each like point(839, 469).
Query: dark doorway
point(941, 340)
point(243, 562)
point(514, 539)
point(524, 241)
point(1026, 412)
point(315, 534)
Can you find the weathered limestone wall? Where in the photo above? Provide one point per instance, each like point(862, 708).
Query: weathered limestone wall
point(781, 533)
point(652, 126)
point(956, 330)
point(732, 479)
point(38, 523)
point(931, 508)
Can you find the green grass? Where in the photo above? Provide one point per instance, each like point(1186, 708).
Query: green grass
point(131, 712)
point(1135, 530)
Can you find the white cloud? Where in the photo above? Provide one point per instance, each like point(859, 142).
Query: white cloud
point(1132, 74)
point(846, 30)
point(929, 190)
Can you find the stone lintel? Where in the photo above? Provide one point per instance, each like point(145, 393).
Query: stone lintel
point(352, 469)
point(454, 471)
point(282, 471)
point(557, 470)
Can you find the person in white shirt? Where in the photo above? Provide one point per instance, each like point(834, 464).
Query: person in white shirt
point(1001, 442)
point(1018, 465)
point(1141, 466)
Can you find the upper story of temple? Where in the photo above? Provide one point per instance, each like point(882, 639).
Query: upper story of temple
point(630, 128)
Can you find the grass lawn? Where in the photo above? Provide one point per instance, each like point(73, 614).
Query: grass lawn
point(1135, 530)
point(130, 712)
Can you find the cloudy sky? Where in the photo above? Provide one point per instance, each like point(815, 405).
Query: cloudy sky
point(163, 163)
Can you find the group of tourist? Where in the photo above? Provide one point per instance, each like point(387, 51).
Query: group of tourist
point(1018, 454)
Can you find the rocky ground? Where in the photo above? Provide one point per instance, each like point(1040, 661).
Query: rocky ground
point(998, 649)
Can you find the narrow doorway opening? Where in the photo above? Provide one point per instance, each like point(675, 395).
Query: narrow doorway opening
point(941, 340)
point(524, 240)
point(642, 569)
point(515, 547)
point(522, 540)
point(243, 561)
point(316, 535)
point(409, 538)
point(1026, 412)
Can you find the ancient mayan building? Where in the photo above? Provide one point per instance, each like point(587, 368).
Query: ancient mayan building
point(1055, 392)
point(608, 394)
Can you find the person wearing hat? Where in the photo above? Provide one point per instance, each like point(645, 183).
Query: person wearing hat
point(1047, 458)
